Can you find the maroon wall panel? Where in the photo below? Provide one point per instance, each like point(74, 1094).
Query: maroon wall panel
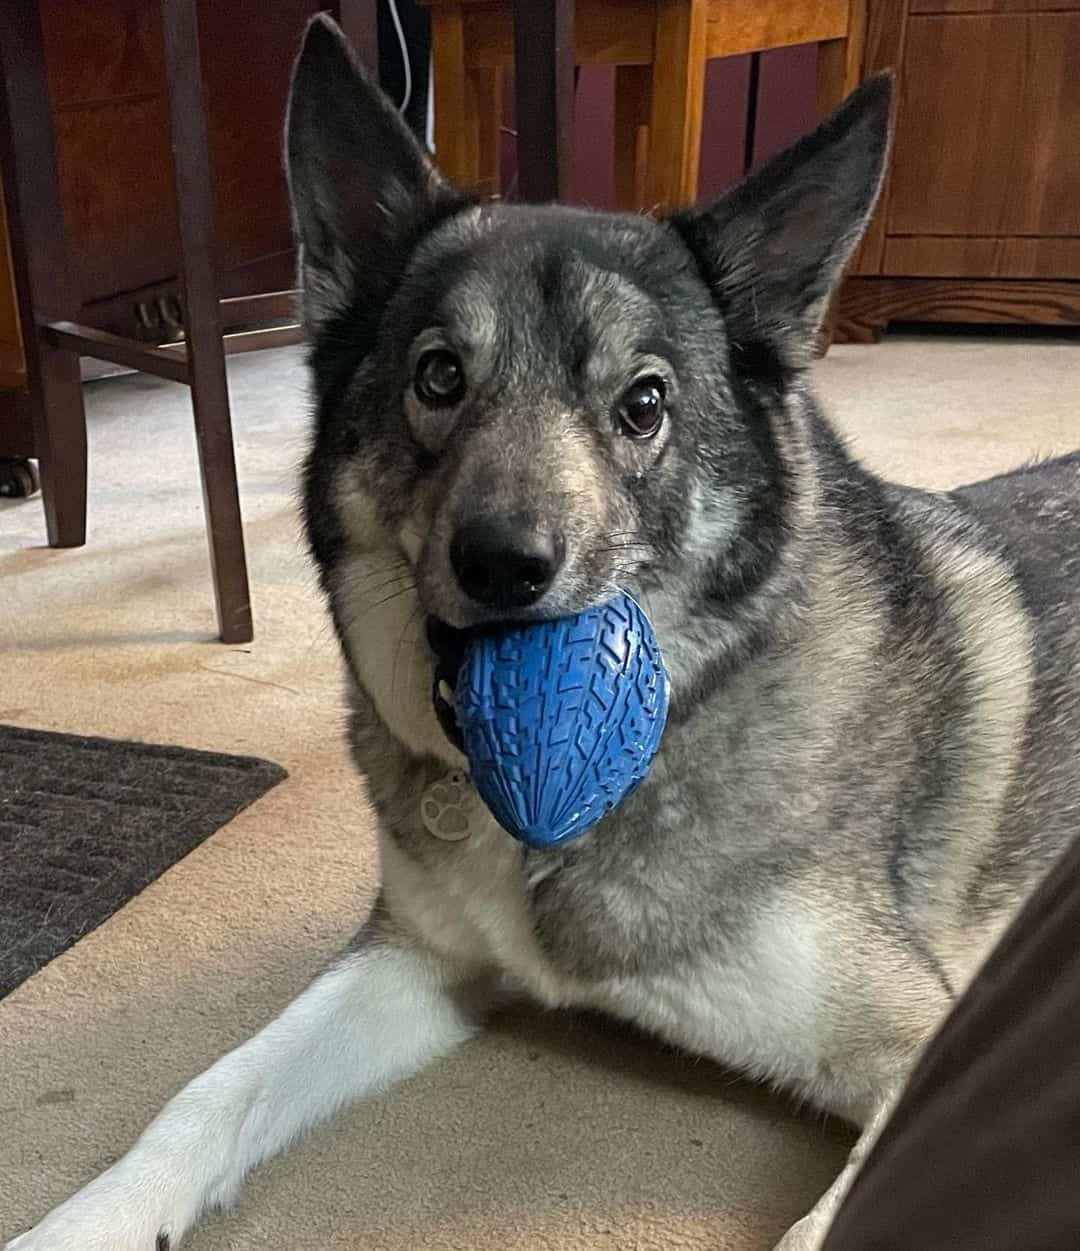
point(787, 98)
point(786, 108)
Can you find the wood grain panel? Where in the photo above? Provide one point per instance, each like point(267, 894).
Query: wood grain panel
point(101, 51)
point(117, 191)
point(739, 26)
point(886, 36)
point(867, 305)
point(993, 6)
point(600, 40)
point(989, 127)
point(733, 27)
point(247, 49)
point(107, 85)
point(1008, 257)
point(840, 61)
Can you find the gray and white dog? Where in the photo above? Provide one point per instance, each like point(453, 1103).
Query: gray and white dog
point(871, 755)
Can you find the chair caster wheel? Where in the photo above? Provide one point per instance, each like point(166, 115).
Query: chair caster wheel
point(18, 479)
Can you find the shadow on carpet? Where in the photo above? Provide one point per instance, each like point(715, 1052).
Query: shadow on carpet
point(87, 823)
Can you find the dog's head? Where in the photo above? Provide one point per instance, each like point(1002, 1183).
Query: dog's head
point(522, 410)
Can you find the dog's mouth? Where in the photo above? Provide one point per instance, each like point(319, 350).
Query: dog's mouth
point(448, 644)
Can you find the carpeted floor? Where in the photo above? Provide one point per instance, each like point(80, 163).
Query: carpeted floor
point(545, 1134)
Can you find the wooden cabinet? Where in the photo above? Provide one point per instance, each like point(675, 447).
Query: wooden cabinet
point(110, 113)
point(979, 219)
point(107, 103)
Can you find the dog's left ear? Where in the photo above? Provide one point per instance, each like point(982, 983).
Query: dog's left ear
point(774, 246)
point(363, 189)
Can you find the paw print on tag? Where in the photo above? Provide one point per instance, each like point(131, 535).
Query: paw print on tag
point(449, 808)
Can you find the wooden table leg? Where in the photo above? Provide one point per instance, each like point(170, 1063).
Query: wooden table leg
point(39, 260)
point(209, 385)
point(678, 88)
point(544, 60)
point(484, 109)
point(455, 100)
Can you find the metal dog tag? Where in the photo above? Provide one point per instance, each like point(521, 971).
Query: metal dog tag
point(451, 809)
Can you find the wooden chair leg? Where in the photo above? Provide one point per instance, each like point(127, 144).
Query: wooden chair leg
point(209, 385)
point(484, 107)
point(544, 59)
point(60, 434)
point(678, 87)
point(39, 260)
point(633, 105)
point(455, 103)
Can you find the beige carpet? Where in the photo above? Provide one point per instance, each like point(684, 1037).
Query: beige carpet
point(544, 1133)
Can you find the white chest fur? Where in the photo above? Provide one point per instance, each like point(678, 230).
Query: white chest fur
point(767, 1007)
point(472, 907)
point(764, 1009)
point(763, 1006)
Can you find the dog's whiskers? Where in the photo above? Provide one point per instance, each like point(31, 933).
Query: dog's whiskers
point(384, 570)
point(389, 599)
point(410, 622)
point(398, 581)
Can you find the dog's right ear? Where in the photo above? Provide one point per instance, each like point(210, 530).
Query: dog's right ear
point(362, 187)
point(773, 247)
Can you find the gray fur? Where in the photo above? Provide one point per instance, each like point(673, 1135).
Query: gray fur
point(871, 756)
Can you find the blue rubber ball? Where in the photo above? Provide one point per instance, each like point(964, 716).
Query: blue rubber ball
point(561, 719)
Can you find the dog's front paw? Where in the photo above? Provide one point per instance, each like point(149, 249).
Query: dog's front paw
point(112, 1213)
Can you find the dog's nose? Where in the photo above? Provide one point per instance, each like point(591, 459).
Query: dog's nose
point(504, 561)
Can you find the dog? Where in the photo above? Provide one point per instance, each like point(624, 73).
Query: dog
point(870, 757)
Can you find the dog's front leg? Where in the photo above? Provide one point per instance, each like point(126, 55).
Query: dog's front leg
point(809, 1233)
point(382, 1012)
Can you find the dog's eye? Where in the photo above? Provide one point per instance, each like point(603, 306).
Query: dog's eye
point(641, 409)
point(439, 380)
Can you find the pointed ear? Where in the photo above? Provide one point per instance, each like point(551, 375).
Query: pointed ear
point(773, 247)
point(362, 187)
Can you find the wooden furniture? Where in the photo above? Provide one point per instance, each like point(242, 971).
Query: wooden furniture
point(43, 417)
point(46, 418)
point(979, 220)
point(659, 47)
point(544, 54)
point(108, 90)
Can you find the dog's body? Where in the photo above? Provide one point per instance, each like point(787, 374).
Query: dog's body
point(871, 754)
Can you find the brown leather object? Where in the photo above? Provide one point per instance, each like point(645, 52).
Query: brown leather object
point(983, 1151)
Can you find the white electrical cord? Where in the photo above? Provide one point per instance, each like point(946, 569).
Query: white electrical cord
point(405, 64)
point(430, 127)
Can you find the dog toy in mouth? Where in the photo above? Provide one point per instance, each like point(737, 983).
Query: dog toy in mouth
point(560, 720)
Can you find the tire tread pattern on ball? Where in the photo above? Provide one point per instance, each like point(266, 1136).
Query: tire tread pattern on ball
point(561, 720)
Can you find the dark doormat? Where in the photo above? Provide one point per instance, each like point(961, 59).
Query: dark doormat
point(86, 823)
